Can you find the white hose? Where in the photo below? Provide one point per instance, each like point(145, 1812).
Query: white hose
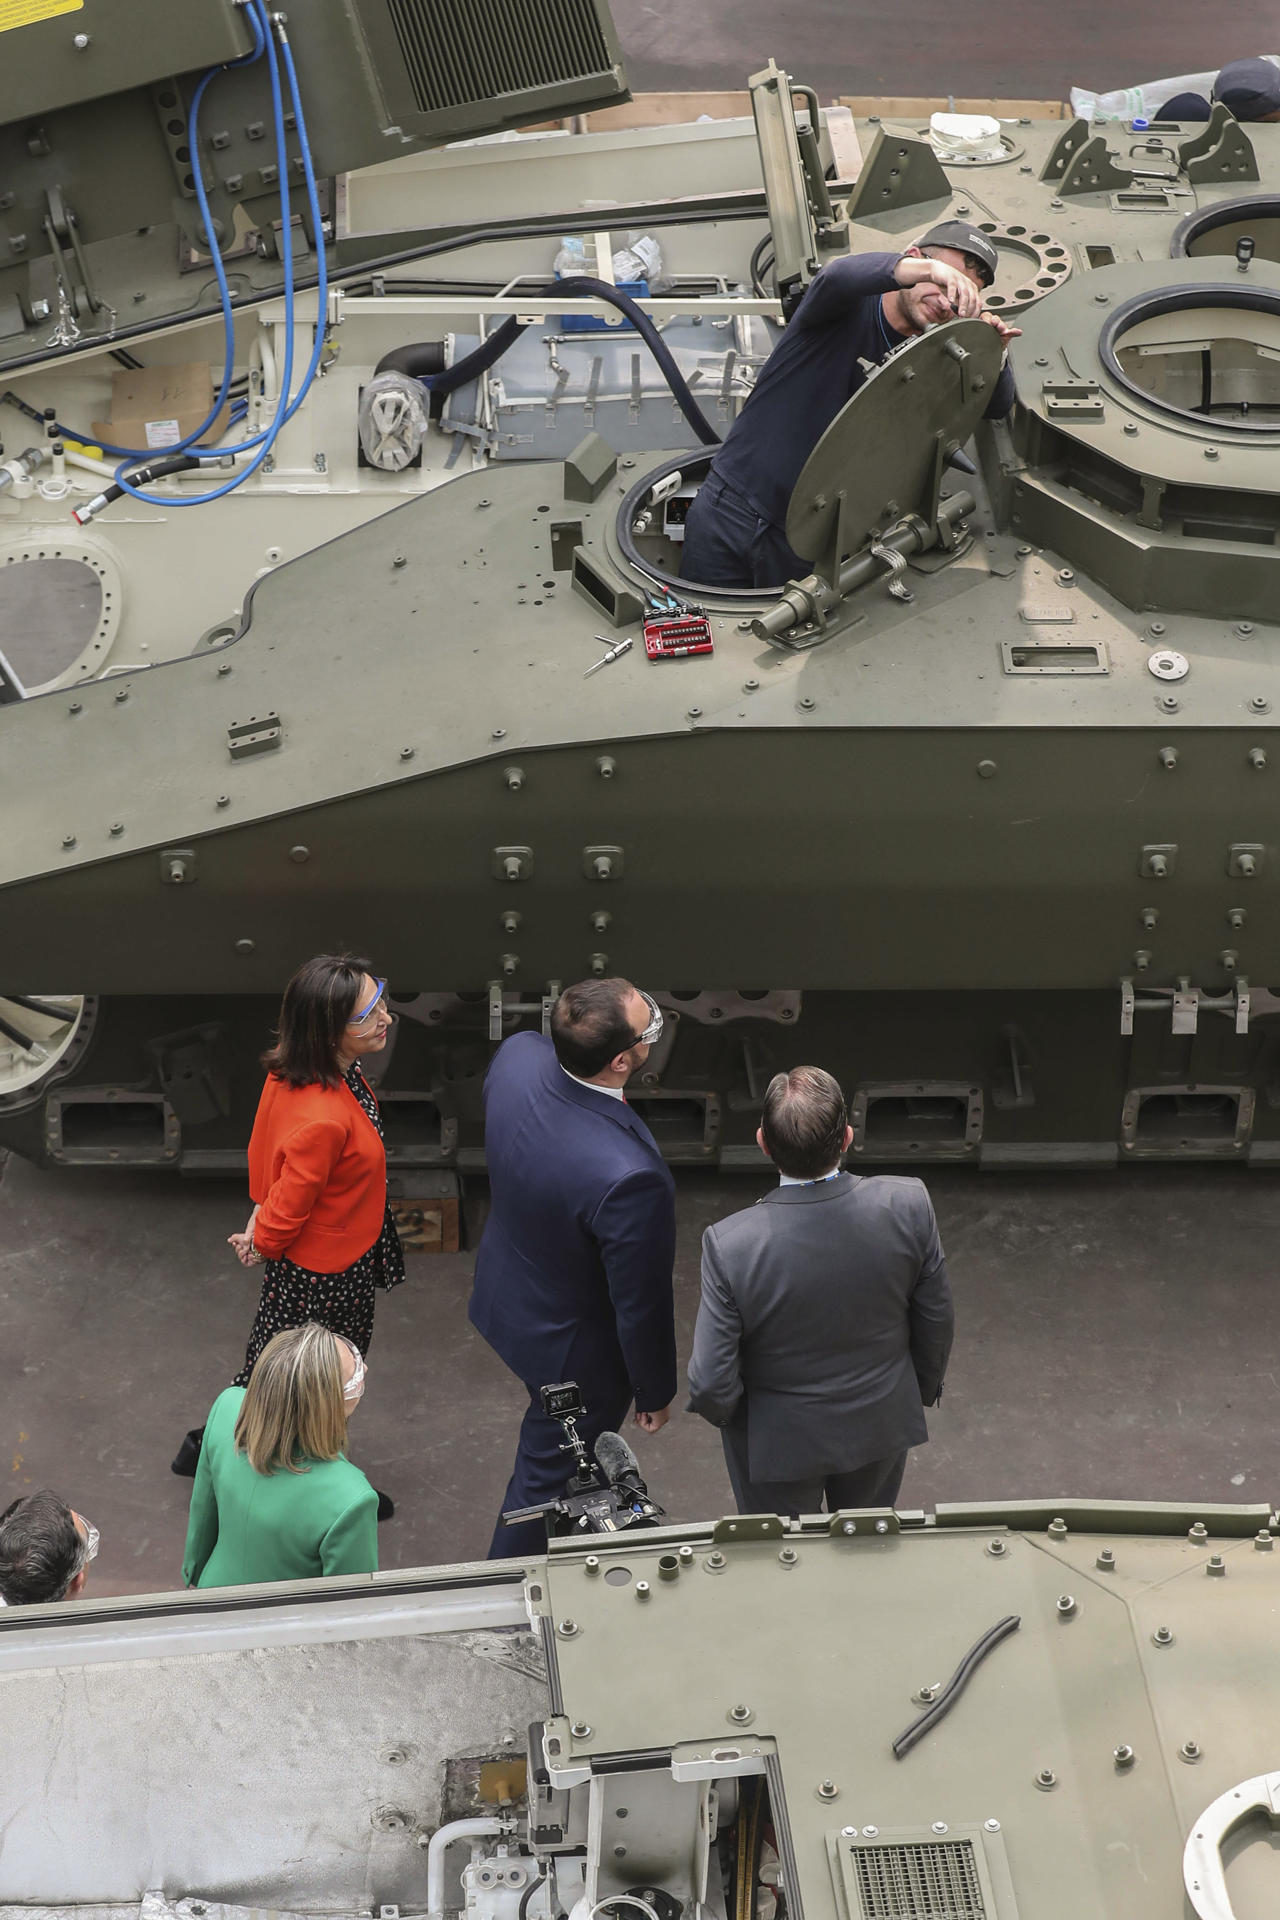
point(440, 1841)
point(87, 464)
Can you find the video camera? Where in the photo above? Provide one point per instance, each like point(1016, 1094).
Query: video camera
point(604, 1495)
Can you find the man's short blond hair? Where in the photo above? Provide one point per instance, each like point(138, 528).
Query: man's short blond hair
point(293, 1410)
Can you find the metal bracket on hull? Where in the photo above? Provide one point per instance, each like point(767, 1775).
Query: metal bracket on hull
point(1185, 1004)
point(501, 1004)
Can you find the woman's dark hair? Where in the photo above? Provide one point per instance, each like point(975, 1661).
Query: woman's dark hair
point(318, 1002)
point(41, 1551)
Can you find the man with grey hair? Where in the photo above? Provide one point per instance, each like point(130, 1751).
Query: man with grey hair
point(826, 1318)
point(45, 1550)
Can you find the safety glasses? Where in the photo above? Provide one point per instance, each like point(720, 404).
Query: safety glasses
point(91, 1541)
point(354, 1388)
point(365, 1014)
point(654, 1029)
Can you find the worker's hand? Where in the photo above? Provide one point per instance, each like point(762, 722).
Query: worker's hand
point(653, 1422)
point(246, 1253)
point(956, 294)
point(1002, 327)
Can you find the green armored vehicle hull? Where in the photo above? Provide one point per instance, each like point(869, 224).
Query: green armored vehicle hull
point(1036, 1712)
point(980, 814)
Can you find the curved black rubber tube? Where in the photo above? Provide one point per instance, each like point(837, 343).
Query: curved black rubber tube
point(417, 361)
point(757, 269)
point(1149, 306)
point(478, 362)
point(955, 1685)
point(528, 1894)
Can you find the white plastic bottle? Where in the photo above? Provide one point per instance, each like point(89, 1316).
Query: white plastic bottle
point(572, 257)
point(1145, 101)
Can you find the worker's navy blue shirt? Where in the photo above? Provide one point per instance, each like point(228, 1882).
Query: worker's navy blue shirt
point(811, 373)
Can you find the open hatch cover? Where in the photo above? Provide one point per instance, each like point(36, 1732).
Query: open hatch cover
point(884, 456)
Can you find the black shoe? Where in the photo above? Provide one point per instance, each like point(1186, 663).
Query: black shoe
point(187, 1458)
point(386, 1505)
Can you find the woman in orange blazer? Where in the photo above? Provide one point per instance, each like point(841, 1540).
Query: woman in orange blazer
point(318, 1169)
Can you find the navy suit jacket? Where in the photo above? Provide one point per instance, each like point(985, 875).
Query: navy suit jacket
point(574, 1266)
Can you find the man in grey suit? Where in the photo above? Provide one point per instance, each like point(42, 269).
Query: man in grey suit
point(826, 1318)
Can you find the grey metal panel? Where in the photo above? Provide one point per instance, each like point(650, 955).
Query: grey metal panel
point(259, 1774)
point(173, 1627)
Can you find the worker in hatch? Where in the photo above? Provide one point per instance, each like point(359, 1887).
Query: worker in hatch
point(855, 313)
point(1249, 88)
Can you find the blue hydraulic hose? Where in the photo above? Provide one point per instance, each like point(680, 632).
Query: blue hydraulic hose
point(256, 17)
point(285, 408)
point(264, 441)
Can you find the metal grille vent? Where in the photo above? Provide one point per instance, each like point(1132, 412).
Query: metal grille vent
point(934, 1880)
point(460, 51)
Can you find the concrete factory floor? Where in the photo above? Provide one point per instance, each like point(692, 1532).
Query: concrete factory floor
point(985, 50)
point(1116, 1338)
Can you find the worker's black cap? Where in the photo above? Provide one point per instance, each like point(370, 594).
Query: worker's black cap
point(1251, 88)
point(965, 239)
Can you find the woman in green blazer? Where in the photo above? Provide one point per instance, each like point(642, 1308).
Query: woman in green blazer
point(275, 1497)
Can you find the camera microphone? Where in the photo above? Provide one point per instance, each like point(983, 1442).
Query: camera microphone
point(619, 1465)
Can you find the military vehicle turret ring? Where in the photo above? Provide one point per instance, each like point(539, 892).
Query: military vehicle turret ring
point(1156, 304)
point(1203, 1872)
point(1213, 231)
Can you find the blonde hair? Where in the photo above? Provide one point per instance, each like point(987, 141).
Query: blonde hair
point(293, 1410)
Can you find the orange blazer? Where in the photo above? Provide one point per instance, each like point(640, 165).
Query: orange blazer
point(318, 1174)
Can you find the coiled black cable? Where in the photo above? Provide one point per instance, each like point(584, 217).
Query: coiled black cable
point(955, 1685)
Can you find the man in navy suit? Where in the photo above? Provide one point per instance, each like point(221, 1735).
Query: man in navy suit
point(573, 1273)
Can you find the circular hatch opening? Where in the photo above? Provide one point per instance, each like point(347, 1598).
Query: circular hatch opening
point(1207, 355)
point(1213, 231)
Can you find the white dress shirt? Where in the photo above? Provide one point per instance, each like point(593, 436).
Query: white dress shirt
point(614, 1093)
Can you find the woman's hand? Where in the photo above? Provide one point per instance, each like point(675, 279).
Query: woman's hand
point(246, 1253)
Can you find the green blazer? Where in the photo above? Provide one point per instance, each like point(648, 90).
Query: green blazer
point(248, 1526)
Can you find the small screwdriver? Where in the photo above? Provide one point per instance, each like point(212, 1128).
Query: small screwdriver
point(614, 653)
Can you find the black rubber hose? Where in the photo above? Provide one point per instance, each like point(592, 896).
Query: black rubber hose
point(423, 358)
point(479, 360)
point(19, 1039)
point(41, 1007)
point(527, 1896)
point(490, 350)
point(143, 476)
point(955, 1685)
point(417, 362)
point(757, 269)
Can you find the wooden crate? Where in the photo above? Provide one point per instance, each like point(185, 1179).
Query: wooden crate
point(426, 1209)
point(863, 106)
point(669, 110)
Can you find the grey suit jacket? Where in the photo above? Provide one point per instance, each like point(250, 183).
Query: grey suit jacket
point(824, 1326)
